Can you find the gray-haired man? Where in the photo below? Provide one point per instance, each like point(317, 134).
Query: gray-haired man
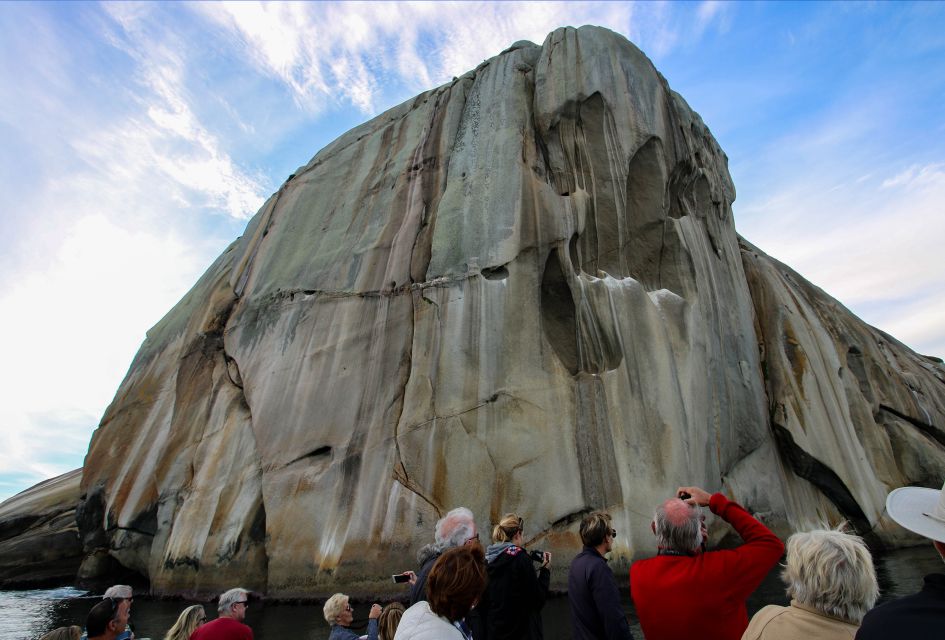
point(229, 626)
point(456, 528)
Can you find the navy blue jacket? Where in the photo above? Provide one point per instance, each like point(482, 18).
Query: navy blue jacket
point(596, 613)
point(921, 615)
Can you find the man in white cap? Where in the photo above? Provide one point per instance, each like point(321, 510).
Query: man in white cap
point(921, 615)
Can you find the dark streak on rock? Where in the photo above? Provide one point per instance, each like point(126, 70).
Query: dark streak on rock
point(826, 480)
point(930, 430)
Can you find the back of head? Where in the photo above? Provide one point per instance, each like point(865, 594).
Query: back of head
point(189, 619)
point(119, 592)
point(508, 526)
point(831, 571)
point(389, 621)
point(64, 633)
point(229, 598)
point(677, 526)
point(456, 581)
point(99, 617)
point(454, 529)
point(594, 528)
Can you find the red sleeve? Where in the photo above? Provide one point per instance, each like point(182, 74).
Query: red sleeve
point(747, 565)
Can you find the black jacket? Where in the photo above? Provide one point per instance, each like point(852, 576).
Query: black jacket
point(515, 596)
point(418, 590)
point(921, 615)
point(596, 613)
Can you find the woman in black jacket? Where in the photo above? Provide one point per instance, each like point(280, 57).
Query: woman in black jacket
point(515, 594)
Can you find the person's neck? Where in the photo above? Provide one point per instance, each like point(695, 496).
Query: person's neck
point(601, 549)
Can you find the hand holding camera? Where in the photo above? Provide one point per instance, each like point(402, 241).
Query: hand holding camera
point(694, 496)
point(543, 557)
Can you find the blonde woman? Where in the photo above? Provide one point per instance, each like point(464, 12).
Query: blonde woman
point(339, 614)
point(832, 584)
point(390, 618)
point(516, 593)
point(189, 619)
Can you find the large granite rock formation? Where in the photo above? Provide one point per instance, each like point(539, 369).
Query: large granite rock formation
point(522, 290)
point(39, 539)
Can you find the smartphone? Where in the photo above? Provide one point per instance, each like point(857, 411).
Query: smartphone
point(401, 577)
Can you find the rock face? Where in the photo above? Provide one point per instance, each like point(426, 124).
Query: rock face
point(520, 291)
point(39, 539)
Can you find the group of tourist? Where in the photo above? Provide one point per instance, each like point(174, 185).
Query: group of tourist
point(462, 592)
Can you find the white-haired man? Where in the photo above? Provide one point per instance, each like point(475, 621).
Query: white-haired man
point(229, 626)
point(685, 590)
point(921, 615)
point(456, 528)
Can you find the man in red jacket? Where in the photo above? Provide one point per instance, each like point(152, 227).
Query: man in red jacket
point(229, 626)
point(686, 591)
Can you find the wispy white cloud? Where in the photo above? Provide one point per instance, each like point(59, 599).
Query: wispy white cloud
point(918, 177)
point(172, 141)
point(332, 54)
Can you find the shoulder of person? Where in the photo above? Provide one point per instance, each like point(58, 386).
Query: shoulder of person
point(513, 551)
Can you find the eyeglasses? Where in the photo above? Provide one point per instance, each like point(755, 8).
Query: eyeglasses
point(245, 603)
point(475, 537)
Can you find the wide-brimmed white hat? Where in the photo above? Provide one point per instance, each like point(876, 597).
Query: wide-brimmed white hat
point(919, 510)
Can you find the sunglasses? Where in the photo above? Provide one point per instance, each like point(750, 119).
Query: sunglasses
point(613, 533)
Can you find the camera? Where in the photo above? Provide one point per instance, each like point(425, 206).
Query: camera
point(683, 495)
point(536, 555)
point(401, 577)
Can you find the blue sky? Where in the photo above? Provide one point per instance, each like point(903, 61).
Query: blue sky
point(139, 138)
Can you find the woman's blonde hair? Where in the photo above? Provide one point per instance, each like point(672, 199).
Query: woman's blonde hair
point(333, 608)
point(390, 619)
point(508, 526)
point(189, 619)
point(831, 571)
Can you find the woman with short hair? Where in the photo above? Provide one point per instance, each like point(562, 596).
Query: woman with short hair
point(832, 584)
point(516, 594)
point(189, 619)
point(454, 586)
point(339, 614)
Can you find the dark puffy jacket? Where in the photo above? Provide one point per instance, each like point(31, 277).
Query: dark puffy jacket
point(515, 596)
point(596, 612)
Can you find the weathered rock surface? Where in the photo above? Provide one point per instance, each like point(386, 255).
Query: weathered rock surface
point(39, 538)
point(522, 290)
